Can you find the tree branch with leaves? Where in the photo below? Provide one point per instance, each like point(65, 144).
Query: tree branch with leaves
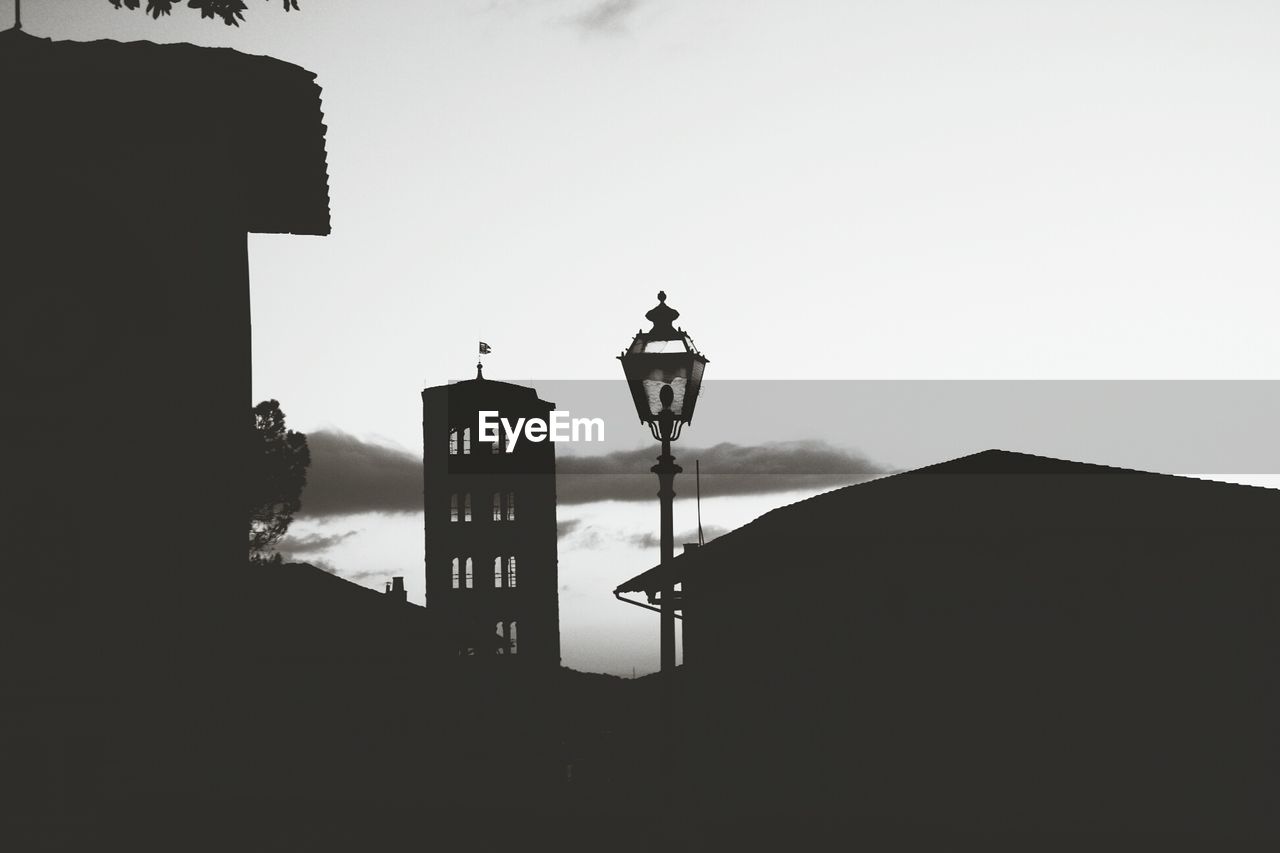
point(278, 460)
point(230, 11)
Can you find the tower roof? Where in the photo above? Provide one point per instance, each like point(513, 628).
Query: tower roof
point(468, 395)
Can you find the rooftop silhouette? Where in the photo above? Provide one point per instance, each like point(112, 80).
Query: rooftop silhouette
point(1000, 646)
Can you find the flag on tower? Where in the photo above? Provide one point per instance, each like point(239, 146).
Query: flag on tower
point(485, 349)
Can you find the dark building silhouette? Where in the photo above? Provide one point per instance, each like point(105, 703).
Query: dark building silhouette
point(157, 691)
point(132, 175)
point(490, 523)
point(1001, 647)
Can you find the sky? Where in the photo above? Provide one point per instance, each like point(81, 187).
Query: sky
point(828, 190)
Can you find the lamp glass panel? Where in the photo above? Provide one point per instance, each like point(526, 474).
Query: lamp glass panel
point(677, 346)
point(677, 378)
point(693, 388)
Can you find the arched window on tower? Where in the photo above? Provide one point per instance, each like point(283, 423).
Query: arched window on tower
point(511, 639)
point(469, 578)
point(511, 506)
point(497, 506)
point(453, 507)
point(511, 573)
point(466, 440)
point(466, 507)
point(456, 578)
point(453, 442)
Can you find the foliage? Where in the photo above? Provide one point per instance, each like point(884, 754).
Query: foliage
point(277, 472)
point(230, 11)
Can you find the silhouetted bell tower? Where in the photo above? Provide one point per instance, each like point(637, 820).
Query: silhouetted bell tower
point(490, 524)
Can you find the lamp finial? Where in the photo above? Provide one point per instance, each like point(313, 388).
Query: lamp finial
point(662, 316)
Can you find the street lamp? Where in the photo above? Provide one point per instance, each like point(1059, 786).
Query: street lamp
point(664, 371)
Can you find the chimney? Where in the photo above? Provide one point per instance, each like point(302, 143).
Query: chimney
point(396, 589)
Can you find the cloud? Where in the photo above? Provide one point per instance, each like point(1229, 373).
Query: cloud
point(607, 16)
point(349, 476)
point(649, 540)
point(323, 565)
point(594, 536)
point(727, 469)
point(581, 537)
point(354, 577)
point(365, 575)
point(312, 542)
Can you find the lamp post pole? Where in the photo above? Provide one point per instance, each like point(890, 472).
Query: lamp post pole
point(666, 469)
point(664, 374)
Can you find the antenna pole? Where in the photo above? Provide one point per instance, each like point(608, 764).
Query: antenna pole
point(17, 14)
point(697, 480)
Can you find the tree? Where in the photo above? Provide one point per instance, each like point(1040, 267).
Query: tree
point(230, 11)
point(277, 472)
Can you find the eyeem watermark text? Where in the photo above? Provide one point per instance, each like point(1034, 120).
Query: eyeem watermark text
point(560, 427)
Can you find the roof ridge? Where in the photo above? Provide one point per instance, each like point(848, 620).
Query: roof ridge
point(957, 465)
